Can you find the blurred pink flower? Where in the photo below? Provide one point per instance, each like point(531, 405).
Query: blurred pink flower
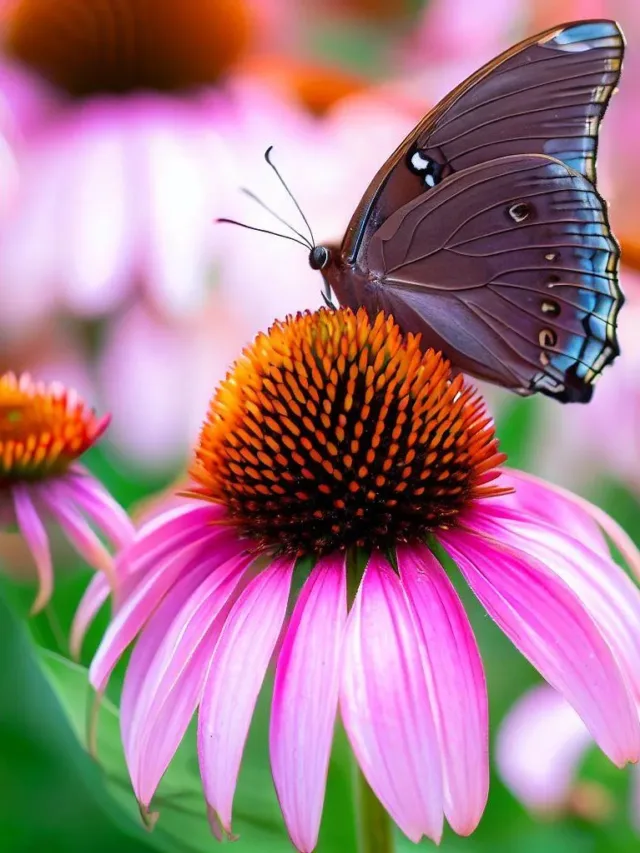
point(327, 160)
point(43, 431)
point(155, 378)
point(119, 161)
point(286, 467)
point(454, 38)
point(540, 746)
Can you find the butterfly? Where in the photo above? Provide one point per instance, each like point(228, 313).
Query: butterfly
point(484, 230)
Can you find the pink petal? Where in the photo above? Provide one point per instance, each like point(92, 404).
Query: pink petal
point(101, 508)
point(550, 626)
point(541, 500)
point(305, 700)
point(173, 683)
point(143, 600)
point(159, 540)
point(76, 529)
point(601, 585)
point(620, 538)
point(237, 669)
point(386, 707)
point(94, 597)
point(540, 745)
point(455, 669)
point(169, 530)
point(32, 529)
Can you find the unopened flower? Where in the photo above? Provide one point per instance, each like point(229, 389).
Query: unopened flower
point(337, 440)
point(43, 431)
point(541, 745)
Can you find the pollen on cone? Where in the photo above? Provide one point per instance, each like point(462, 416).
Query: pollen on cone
point(43, 429)
point(333, 430)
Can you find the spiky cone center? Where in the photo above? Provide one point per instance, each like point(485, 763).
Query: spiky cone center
point(87, 47)
point(333, 430)
point(43, 429)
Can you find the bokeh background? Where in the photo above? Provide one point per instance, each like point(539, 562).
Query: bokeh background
point(126, 129)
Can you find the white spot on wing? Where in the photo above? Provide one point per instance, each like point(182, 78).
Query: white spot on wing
point(419, 162)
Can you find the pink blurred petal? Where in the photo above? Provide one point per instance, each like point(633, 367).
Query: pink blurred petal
point(553, 630)
point(460, 693)
point(183, 201)
point(95, 595)
point(75, 528)
point(305, 700)
point(173, 683)
point(603, 588)
point(32, 529)
point(540, 745)
point(99, 264)
point(236, 673)
point(147, 594)
point(105, 512)
point(386, 707)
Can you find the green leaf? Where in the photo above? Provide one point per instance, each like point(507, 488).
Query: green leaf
point(182, 824)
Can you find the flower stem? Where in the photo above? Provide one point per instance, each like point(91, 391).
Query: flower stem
point(375, 830)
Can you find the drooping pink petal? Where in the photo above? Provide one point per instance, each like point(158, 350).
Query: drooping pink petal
point(542, 501)
point(147, 645)
point(169, 531)
point(305, 700)
point(237, 670)
point(143, 600)
point(32, 529)
point(386, 706)
point(540, 745)
point(100, 507)
point(601, 585)
point(173, 683)
point(95, 595)
point(460, 693)
point(546, 621)
point(157, 541)
point(76, 529)
point(620, 538)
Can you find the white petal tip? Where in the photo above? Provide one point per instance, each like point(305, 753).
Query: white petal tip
point(149, 818)
point(220, 830)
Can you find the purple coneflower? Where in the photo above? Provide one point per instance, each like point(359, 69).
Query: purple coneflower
point(338, 440)
point(43, 431)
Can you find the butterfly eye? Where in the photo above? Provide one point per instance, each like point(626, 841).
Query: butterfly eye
point(428, 169)
point(319, 257)
point(519, 212)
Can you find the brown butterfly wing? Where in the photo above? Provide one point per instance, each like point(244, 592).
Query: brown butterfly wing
point(546, 95)
point(510, 268)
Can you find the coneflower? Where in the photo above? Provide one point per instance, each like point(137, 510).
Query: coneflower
point(43, 431)
point(339, 454)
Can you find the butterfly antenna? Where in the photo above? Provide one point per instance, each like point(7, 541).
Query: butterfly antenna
point(267, 157)
point(282, 221)
point(263, 231)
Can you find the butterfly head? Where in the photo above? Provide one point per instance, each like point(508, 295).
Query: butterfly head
point(319, 257)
